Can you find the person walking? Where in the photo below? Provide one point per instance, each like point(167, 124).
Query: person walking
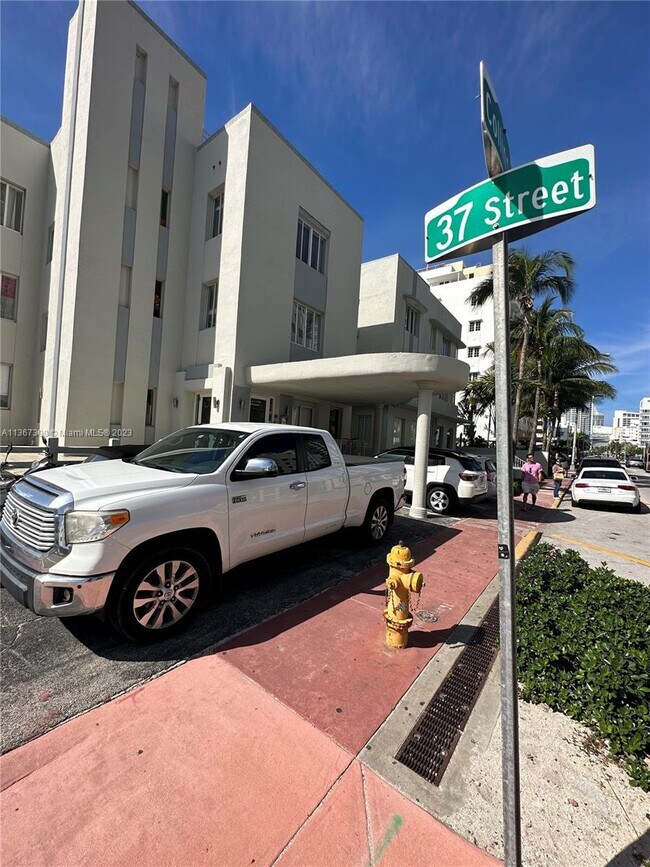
point(558, 475)
point(531, 475)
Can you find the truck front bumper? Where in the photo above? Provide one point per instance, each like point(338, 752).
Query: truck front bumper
point(53, 595)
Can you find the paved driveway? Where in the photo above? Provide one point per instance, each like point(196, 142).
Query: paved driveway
point(609, 534)
point(56, 669)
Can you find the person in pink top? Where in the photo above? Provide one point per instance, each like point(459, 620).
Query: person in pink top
point(531, 476)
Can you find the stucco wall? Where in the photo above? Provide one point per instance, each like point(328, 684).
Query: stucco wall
point(24, 162)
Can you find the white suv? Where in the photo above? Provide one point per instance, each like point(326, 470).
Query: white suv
point(453, 477)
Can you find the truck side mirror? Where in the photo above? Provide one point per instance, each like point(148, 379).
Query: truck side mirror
point(257, 468)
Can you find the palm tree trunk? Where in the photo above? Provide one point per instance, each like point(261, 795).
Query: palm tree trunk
point(538, 390)
point(520, 383)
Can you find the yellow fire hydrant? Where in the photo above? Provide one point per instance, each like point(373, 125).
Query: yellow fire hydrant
point(401, 582)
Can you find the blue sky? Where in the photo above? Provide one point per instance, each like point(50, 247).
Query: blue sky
point(382, 99)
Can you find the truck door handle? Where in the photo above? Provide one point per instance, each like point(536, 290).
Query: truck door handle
point(296, 486)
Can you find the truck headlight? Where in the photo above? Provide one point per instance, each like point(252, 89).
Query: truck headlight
point(93, 526)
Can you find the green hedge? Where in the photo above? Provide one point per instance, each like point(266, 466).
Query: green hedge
point(584, 650)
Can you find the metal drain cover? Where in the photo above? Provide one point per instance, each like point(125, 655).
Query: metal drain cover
point(431, 742)
point(427, 616)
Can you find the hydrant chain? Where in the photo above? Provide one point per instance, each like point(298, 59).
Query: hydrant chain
point(401, 582)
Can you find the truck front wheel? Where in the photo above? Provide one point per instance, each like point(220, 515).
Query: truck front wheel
point(161, 595)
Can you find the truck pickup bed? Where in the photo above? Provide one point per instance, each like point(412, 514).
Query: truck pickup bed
point(144, 539)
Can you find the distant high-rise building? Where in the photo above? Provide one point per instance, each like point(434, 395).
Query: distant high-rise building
point(625, 426)
point(644, 421)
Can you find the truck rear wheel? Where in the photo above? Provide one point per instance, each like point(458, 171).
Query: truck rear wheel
point(378, 520)
point(161, 595)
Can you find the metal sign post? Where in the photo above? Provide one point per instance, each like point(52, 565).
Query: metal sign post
point(506, 549)
point(511, 204)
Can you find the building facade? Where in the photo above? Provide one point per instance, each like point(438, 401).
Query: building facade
point(152, 279)
point(644, 421)
point(625, 426)
point(452, 284)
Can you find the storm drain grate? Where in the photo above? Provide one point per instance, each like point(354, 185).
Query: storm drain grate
point(433, 739)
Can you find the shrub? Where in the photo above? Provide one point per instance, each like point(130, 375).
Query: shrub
point(584, 650)
point(516, 488)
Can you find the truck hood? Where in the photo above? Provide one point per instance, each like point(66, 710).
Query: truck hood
point(108, 479)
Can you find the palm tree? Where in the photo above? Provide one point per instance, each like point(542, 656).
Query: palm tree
point(571, 368)
point(530, 277)
point(546, 325)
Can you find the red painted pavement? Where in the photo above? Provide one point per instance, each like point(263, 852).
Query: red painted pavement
point(363, 815)
point(327, 658)
point(200, 766)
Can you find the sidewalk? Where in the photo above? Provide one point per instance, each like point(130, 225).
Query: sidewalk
point(250, 755)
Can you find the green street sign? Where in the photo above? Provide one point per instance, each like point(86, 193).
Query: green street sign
point(523, 201)
point(495, 140)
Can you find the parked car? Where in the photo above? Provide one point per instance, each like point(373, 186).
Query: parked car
point(452, 477)
point(144, 540)
point(635, 462)
point(123, 451)
point(595, 461)
point(605, 485)
point(490, 467)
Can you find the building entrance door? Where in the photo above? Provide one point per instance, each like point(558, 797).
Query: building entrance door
point(335, 422)
point(202, 414)
point(258, 410)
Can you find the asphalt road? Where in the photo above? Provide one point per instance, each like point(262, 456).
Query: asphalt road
point(609, 534)
point(54, 669)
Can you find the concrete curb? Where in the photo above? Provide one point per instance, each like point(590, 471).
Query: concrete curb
point(533, 537)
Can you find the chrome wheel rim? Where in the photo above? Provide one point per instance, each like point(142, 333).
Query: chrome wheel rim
point(438, 501)
point(166, 594)
point(379, 522)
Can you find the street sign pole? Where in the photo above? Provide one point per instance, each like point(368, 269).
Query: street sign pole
point(506, 543)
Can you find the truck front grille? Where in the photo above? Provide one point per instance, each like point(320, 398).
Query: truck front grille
point(32, 525)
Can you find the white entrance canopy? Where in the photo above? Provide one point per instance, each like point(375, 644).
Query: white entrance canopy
point(374, 378)
point(379, 377)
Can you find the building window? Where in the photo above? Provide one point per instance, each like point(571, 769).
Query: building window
point(164, 207)
point(215, 214)
point(157, 299)
point(124, 298)
point(5, 386)
point(305, 327)
point(412, 320)
point(209, 306)
point(432, 337)
point(12, 206)
point(172, 95)
point(475, 324)
point(446, 346)
point(50, 244)
point(473, 351)
point(140, 66)
point(9, 295)
point(473, 377)
point(43, 342)
point(311, 246)
point(150, 411)
point(132, 176)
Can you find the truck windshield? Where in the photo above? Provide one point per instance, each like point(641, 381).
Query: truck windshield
point(192, 450)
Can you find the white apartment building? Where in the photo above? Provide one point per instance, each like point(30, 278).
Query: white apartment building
point(397, 313)
point(625, 426)
point(452, 284)
point(644, 421)
point(151, 279)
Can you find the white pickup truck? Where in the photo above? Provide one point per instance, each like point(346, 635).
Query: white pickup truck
point(144, 539)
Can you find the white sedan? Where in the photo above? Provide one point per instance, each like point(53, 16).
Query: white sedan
point(605, 485)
